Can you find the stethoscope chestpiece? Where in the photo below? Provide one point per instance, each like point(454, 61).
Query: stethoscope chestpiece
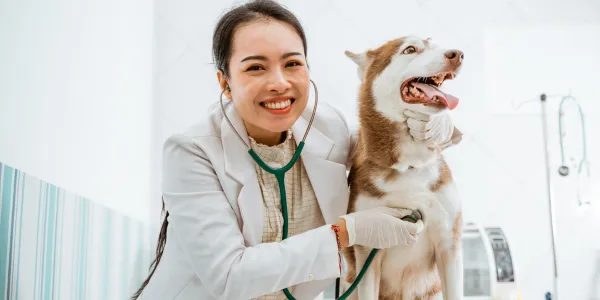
point(563, 170)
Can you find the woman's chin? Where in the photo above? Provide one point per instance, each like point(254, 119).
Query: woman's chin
point(279, 122)
point(279, 126)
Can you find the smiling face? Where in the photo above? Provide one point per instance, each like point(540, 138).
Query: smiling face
point(407, 73)
point(268, 77)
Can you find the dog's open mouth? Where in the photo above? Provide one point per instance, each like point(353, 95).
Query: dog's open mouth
point(426, 90)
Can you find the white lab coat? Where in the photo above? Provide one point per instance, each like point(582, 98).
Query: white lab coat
point(211, 191)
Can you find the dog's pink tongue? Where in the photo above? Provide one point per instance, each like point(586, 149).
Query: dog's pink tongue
point(450, 101)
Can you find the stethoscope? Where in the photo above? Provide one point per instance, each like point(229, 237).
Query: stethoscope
point(280, 176)
point(563, 170)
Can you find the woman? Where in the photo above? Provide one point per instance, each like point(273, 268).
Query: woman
point(223, 211)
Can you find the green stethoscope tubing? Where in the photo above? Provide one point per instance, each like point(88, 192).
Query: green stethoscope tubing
point(564, 170)
point(279, 174)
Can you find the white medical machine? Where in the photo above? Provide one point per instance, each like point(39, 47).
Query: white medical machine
point(489, 272)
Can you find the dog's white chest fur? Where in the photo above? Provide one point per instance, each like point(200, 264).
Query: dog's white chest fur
point(420, 169)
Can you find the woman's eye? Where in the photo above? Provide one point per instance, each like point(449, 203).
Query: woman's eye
point(293, 64)
point(254, 68)
point(409, 50)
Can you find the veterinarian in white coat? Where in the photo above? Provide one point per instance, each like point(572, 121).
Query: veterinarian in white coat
point(223, 236)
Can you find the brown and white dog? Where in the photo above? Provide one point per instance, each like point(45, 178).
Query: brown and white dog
point(392, 169)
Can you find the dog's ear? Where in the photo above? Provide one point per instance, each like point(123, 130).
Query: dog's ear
point(357, 58)
point(361, 60)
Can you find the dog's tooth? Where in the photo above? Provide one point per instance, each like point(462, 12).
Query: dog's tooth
point(412, 90)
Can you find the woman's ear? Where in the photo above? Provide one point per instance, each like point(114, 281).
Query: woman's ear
point(224, 84)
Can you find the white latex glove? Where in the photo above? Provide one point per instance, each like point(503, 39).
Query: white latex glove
point(434, 129)
point(381, 227)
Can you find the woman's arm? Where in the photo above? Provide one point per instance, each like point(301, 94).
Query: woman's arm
point(206, 228)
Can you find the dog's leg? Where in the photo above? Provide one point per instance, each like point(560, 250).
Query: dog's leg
point(354, 295)
point(449, 248)
point(376, 265)
point(450, 269)
point(368, 288)
point(350, 275)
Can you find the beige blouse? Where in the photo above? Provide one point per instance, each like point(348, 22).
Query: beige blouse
point(303, 208)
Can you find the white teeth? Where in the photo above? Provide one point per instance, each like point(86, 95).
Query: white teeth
point(439, 78)
point(414, 92)
point(278, 105)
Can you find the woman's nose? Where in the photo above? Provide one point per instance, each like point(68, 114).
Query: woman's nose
point(279, 82)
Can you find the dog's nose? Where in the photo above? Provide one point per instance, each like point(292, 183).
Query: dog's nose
point(455, 56)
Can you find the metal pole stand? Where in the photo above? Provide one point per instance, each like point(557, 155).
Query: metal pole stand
point(550, 205)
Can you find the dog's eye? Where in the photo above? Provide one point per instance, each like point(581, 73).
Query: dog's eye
point(409, 50)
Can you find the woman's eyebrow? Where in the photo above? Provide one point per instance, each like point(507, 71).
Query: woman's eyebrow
point(262, 57)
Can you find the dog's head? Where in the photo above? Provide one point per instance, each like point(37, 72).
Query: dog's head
point(407, 73)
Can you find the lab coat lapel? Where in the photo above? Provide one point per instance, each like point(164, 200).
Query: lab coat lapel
point(328, 178)
point(241, 167)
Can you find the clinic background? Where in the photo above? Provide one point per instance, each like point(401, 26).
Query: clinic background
point(90, 90)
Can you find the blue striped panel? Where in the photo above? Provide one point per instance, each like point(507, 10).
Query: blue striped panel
point(37, 243)
point(57, 245)
point(106, 255)
point(124, 273)
point(20, 237)
point(11, 238)
point(5, 209)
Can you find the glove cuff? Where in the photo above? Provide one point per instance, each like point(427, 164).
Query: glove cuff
point(351, 229)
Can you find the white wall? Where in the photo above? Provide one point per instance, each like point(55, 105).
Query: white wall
point(75, 96)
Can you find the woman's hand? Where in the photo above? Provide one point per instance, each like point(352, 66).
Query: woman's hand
point(379, 228)
point(435, 129)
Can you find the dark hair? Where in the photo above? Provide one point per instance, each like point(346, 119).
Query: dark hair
point(222, 48)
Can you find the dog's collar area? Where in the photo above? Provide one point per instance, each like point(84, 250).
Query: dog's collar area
point(404, 168)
